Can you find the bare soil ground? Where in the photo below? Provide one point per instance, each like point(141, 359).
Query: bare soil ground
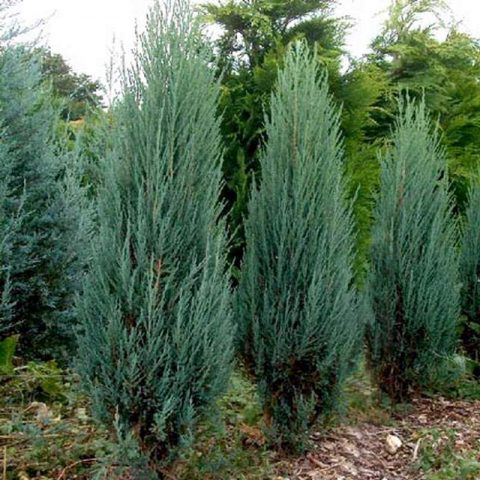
point(434, 432)
point(55, 438)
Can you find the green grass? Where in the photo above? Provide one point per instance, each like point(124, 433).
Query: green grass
point(440, 459)
point(44, 425)
point(232, 445)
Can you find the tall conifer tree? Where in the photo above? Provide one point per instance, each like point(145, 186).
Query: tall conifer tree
point(470, 276)
point(297, 309)
point(157, 344)
point(39, 271)
point(413, 279)
point(10, 218)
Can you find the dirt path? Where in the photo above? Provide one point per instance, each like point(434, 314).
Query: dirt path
point(433, 433)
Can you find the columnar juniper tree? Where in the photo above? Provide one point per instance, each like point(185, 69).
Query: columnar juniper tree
point(470, 276)
point(38, 264)
point(413, 279)
point(10, 218)
point(297, 308)
point(157, 344)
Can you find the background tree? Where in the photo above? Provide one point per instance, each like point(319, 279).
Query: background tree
point(413, 278)
point(78, 92)
point(299, 325)
point(157, 343)
point(445, 72)
point(409, 55)
point(250, 50)
point(10, 28)
point(365, 85)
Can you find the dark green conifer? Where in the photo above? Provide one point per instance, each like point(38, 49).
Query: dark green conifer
point(413, 279)
point(297, 308)
point(157, 344)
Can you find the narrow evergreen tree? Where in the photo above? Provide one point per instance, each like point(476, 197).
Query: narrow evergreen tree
point(297, 308)
point(157, 344)
point(9, 221)
point(413, 280)
point(470, 277)
point(38, 267)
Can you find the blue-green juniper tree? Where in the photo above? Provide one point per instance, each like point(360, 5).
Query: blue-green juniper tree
point(413, 279)
point(40, 253)
point(299, 329)
point(470, 277)
point(156, 350)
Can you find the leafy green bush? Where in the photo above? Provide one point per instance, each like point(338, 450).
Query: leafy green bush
point(157, 344)
point(299, 328)
point(413, 279)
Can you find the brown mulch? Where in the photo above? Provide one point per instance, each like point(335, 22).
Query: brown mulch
point(359, 452)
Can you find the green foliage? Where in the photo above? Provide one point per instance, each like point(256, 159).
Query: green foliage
point(45, 378)
point(469, 275)
point(7, 351)
point(36, 381)
point(231, 445)
point(297, 311)
point(39, 269)
point(254, 28)
point(440, 458)
point(408, 55)
point(240, 404)
point(413, 280)
point(250, 50)
point(458, 379)
point(445, 73)
point(93, 139)
point(156, 349)
point(47, 435)
point(363, 86)
point(78, 92)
